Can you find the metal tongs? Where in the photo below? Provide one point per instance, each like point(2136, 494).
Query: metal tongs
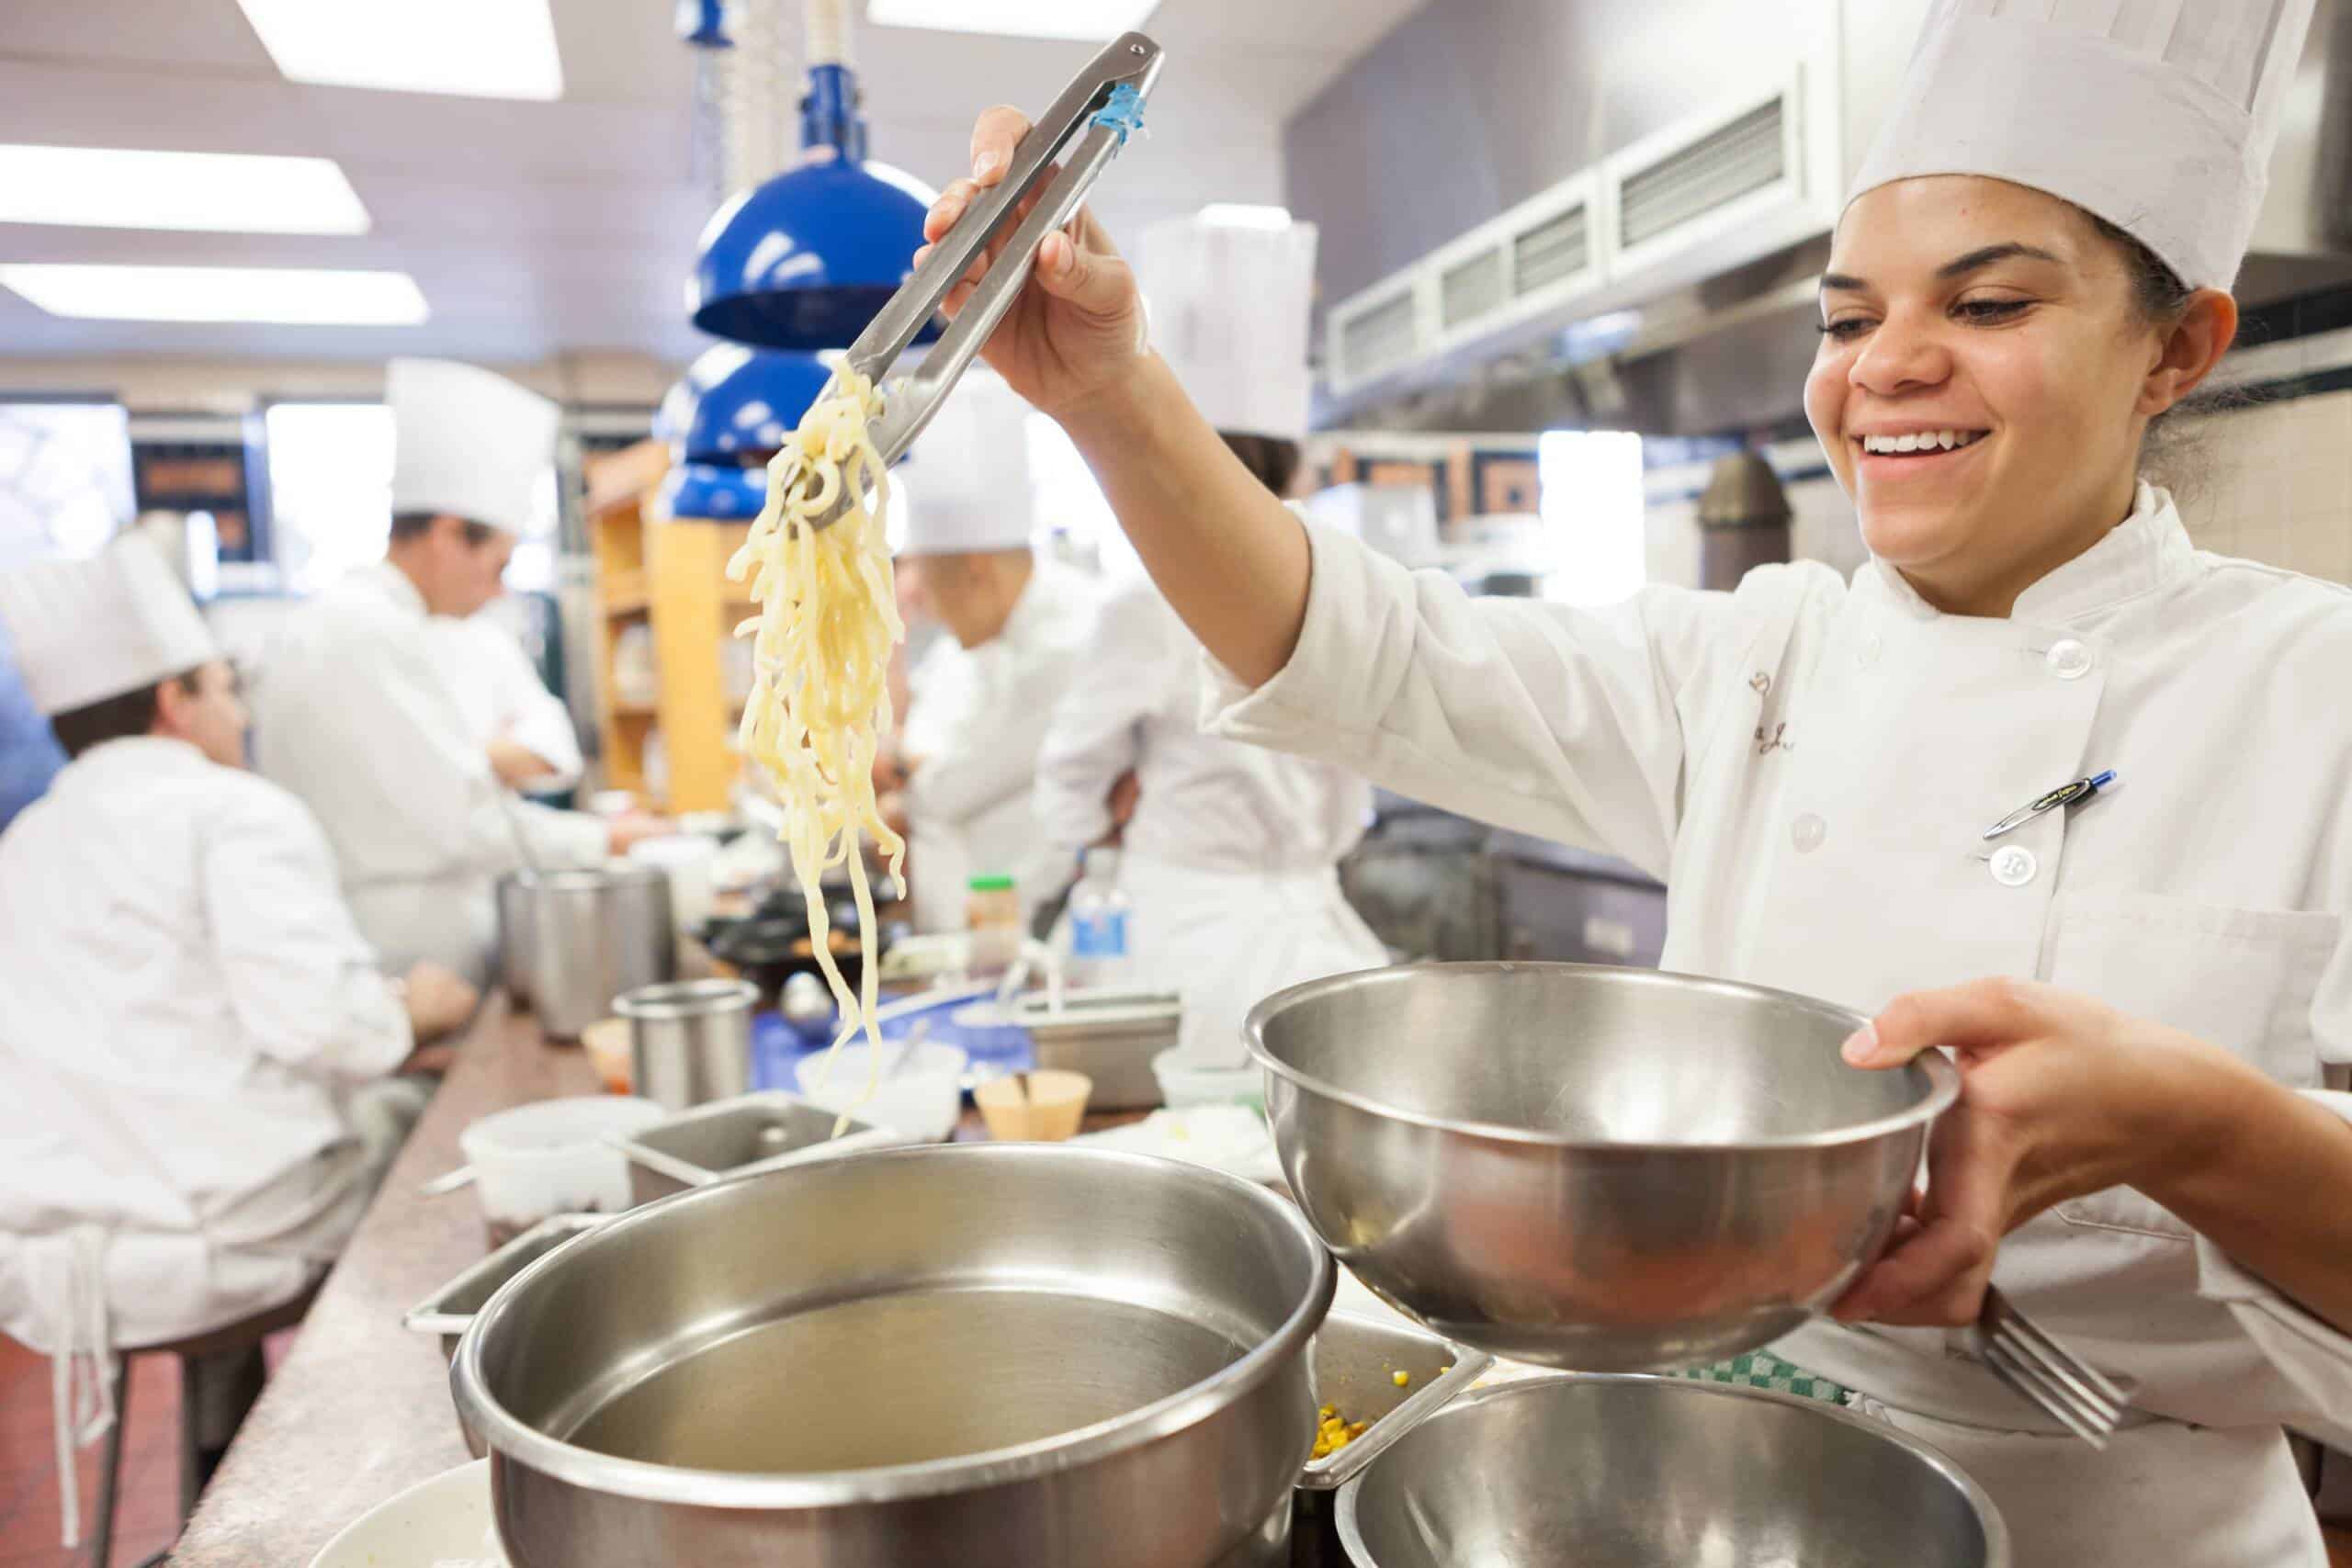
point(1098, 110)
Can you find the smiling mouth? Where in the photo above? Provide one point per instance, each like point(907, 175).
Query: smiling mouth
point(1919, 443)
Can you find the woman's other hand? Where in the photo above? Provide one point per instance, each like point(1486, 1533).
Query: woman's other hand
point(2060, 1096)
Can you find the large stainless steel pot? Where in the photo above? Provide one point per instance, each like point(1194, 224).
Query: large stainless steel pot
point(1026, 1356)
point(575, 940)
point(1592, 1168)
point(1639, 1471)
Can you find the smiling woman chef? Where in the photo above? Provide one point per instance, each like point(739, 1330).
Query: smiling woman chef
point(2033, 267)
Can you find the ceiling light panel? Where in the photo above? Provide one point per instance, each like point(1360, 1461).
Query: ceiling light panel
point(290, 295)
point(476, 48)
point(1094, 20)
point(107, 187)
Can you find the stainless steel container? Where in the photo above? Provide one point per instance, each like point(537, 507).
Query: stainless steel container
point(742, 1136)
point(1018, 1355)
point(448, 1310)
point(1591, 1168)
point(1111, 1036)
point(690, 1041)
point(1635, 1470)
point(575, 940)
point(1354, 1366)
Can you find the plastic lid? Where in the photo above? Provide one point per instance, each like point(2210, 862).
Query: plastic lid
point(998, 883)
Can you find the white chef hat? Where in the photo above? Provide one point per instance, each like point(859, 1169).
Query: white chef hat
point(87, 630)
point(2158, 115)
point(466, 442)
point(971, 490)
point(1231, 307)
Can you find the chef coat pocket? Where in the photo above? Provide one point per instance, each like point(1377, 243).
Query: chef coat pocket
point(2242, 980)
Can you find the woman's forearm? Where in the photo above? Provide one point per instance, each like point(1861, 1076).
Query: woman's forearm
point(1224, 551)
point(2269, 1181)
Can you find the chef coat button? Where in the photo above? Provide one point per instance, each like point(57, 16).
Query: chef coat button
point(2069, 659)
point(2014, 866)
point(1872, 646)
point(1807, 833)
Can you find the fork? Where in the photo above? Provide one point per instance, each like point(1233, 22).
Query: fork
point(2045, 1373)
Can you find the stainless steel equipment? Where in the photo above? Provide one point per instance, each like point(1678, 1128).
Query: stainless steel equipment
point(1028, 1356)
point(1603, 1169)
point(1633, 1470)
point(1111, 1036)
point(1085, 127)
point(575, 940)
point(448, 1310)
point(1355, 1365)
point(742, 1136)
point(689, 1041)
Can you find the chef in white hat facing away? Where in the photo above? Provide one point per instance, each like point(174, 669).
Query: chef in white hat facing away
point(194, 1036)
point(355, 715)
point(1228, 852)
point(2145, 978)
point(962, 777)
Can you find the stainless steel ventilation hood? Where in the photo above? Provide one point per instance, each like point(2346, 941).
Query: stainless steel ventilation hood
point(1641, 203)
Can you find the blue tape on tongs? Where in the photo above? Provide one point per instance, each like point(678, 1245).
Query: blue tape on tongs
point(1122, 112)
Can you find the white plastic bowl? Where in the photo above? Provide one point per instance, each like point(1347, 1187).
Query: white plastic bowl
point(1183, 1082)
point(551, 1156)
point(921, 1099)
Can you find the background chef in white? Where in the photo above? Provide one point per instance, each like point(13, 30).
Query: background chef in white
point(355, 713)
point(521, 726)
point(1229, 852)
point(2034, 264)
point(195, 1039)
point(962, 776)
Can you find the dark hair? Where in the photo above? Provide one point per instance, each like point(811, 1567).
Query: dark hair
point(2174, 453)
point(1270, 460)
point(120, 718)
point(416, 525)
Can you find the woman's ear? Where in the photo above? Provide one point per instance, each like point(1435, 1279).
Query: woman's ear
point(2190, 350)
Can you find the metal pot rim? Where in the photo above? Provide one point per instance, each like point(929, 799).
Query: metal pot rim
point(583, 879)
point(1980, 1503)
point(505, 1435)
point(1942, 1086)
point(687, 999)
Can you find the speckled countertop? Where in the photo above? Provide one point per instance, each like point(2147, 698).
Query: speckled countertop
point(360, 1410)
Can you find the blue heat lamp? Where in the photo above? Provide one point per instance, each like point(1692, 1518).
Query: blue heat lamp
point(806, 259)
point(716, 492)
point(735, 404)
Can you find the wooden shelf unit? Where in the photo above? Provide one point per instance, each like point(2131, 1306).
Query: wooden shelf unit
point(620, 493)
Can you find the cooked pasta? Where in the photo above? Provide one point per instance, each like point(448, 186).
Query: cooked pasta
point(821, 697)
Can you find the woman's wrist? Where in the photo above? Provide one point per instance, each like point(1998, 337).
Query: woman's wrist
point(1124, 405)
point(2210, 1106)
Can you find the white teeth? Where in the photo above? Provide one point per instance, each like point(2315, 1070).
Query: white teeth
point(1920, 441)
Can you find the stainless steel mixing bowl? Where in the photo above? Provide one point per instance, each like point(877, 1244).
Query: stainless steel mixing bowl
point(1591, 1168)
point(988, 1355)
point(1660, 1472)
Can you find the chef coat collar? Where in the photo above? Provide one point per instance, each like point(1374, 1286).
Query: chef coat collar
point(145, 752)
point(1040, 596)
point(2138, 556)
point(395, 585)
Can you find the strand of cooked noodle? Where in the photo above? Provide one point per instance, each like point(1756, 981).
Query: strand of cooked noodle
point(821, 695)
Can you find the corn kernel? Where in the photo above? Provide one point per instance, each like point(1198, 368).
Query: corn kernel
point(1401, 1379)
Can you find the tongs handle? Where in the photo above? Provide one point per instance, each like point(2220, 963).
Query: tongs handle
point(1132, 62)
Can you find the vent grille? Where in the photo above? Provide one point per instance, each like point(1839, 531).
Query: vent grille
point(1381, 336)
point(1471, 289)
point(1745, 156)
point(1559, 247)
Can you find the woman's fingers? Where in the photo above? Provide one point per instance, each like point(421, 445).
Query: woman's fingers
point(998, 132)
point(1982, 1015)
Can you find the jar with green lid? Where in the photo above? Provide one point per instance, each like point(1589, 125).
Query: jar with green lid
point(993, 914)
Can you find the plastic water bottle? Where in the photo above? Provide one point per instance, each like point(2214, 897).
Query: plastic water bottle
point(1100, 950)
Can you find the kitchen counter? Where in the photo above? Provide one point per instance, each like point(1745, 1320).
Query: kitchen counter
point(360, 1409)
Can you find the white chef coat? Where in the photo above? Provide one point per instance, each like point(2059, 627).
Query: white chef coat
point(353, 715)
point(1230, 861)
point(184, 1004)
point(968, 804)
point(501, 694)
point(1808, 766)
